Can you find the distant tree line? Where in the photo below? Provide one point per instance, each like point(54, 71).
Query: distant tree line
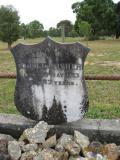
point(35, 29)
point(102, 15)
point(94, 18)
point(32, 30)
point(11, 29)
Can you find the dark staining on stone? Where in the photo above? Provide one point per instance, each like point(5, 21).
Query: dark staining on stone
point(67, 58)
point(44, 113)
point(27, 108)
point(57, 52)
point(85, 104)
point(55, 114)
point(65, 108)
point(47, 63)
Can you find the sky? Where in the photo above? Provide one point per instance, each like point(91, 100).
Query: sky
point(48, 12)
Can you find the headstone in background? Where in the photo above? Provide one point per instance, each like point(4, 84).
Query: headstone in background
point(50, 81)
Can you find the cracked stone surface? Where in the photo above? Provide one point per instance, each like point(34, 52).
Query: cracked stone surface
point(81, 139)
point(37, 134)
point(14, 150)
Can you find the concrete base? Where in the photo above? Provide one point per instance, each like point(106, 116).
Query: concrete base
point(96, 129)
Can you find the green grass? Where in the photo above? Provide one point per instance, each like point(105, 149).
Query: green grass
point(104, 59)
point(7, 96)
point(104, 99)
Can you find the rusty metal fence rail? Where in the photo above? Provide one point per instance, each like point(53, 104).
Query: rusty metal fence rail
point(103, 91)
point(10, 75)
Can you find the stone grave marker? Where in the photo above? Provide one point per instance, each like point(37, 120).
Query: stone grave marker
point(50, 83)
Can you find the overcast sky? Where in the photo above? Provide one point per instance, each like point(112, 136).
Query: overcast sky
point(48, 12)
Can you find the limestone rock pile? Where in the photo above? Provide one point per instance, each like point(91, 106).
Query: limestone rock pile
point(34, 145)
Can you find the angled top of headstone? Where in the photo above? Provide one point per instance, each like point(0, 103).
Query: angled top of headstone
point(50, 82)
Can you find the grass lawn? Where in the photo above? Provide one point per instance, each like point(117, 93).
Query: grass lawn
point(104, 59)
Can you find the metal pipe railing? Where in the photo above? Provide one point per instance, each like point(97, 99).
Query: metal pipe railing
point(102, 78)
point(11, 75)
point(8, 75)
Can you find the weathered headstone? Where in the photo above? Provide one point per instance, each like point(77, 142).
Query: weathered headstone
point(50, 81)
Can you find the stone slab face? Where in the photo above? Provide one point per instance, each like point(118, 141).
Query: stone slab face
point(50, 82)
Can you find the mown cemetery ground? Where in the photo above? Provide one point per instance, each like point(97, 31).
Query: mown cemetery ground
point(104, 59)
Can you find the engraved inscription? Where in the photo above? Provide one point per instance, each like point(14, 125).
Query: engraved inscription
point(59, 72)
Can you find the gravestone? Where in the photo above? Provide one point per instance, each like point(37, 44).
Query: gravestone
point(50, 82)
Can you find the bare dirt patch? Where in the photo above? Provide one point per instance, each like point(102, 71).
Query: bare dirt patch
point(104, 63)
point(110, 63)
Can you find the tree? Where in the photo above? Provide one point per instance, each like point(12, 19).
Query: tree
point(54, 32)
point(67, 26)
point(24, 31)
point(117, 10)
point(100, 14)
point(35, 29)
point(73, 33)
point(9, 25)
point(84, 29)
point(44, 33)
